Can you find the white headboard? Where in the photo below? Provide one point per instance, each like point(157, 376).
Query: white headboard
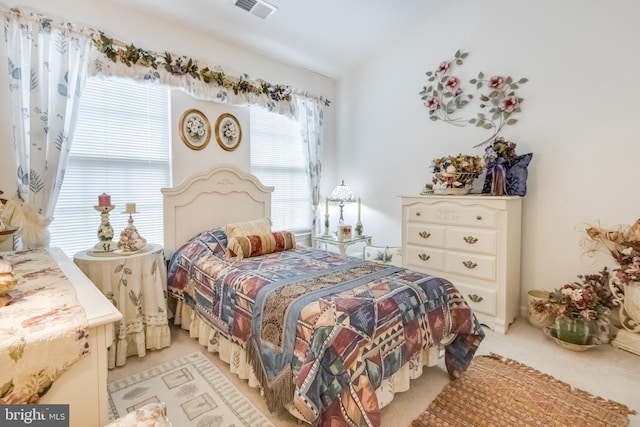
point(212, 199)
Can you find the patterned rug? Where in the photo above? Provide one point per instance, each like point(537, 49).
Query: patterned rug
point(496, 391)
point(196, 393)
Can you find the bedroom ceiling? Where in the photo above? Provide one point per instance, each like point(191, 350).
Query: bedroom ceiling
point(328, 37)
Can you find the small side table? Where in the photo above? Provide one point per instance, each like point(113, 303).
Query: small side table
point(341, 244)
point(136, 285)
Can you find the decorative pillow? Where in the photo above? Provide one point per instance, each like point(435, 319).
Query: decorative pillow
point(247, 228)
point(384, 254)
point(516, 176)
point(149, 415)
point(261, 244)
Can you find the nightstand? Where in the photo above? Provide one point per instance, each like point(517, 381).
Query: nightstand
point(135, 283)
point(341, 244)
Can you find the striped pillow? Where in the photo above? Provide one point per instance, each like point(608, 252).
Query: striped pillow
point(261, 244)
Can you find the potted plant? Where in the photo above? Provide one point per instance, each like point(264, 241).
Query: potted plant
point(579, 307)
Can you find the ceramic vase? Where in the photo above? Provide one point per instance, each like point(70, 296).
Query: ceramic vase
point(574, 331)
point(539, 312)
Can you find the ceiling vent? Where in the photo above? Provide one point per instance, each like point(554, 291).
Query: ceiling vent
point(259, 8)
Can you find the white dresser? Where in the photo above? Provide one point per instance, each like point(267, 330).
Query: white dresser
point(473, 241)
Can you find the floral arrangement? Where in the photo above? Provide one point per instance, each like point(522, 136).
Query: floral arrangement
point(444, 96)
point(230, 131)
point(579, 301)
point(500, 149)
point(195, 127)
point(623, 243)
point(457, 171)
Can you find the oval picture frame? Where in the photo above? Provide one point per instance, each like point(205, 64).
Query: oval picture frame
point(228, 132)
point(195, 129)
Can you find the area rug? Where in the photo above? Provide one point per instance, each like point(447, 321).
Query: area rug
point(496, 391)
point(196, 393)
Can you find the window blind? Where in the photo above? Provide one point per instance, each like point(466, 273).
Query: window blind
point(277, 160)
point(121, 147)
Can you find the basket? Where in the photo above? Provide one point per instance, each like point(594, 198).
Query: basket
point(457, 184)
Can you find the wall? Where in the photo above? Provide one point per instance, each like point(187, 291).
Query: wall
point(137, 26)
point(579, 118)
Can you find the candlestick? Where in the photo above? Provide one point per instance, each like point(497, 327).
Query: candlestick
point(104, 200)
point(359, 201)
point(326, 206)
point(105, 231)
point(130, 208)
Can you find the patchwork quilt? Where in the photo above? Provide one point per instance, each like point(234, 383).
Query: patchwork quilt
point(323, 330)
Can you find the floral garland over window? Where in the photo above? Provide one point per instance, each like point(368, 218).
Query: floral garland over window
point(180, 66)
point(444, 97)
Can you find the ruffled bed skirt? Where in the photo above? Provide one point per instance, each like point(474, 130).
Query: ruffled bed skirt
point(235, 356)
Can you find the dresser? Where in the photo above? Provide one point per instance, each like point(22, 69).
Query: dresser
point(473, 241)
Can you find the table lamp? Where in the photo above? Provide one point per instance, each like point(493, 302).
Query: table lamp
point(342, 194)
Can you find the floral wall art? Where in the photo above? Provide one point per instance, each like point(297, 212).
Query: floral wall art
point(493, 98)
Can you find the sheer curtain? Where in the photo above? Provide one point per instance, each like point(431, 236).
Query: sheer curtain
point(310, 119)
point(48, 64)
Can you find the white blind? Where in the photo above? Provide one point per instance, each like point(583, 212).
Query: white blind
point(277, 160)
point(121, 147)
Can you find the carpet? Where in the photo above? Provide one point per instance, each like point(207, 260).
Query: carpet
point(196, 393)
point(500, 392)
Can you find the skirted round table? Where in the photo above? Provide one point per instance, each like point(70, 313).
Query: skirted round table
point(135, 283)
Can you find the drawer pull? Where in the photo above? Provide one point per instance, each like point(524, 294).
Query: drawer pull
point(417, 213)
point(469, 264)
point(479, 217)
point(424, 234)
point(475, 298)
point(470, 239)
point(424, 257)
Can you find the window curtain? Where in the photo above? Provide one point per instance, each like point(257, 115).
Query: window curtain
point(48, 64)
point(310, 118)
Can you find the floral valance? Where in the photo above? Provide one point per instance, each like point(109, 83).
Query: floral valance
point(114, 58)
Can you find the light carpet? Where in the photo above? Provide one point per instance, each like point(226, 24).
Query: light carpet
point(496, 391)
point(196, 393)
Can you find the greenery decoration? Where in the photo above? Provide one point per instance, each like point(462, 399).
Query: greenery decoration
point(444, 96)
point(180, 66)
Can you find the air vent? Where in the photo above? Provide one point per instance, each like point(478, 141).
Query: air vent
point(259, 8)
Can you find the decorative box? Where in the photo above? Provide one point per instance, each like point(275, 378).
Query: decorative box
point(344, 232)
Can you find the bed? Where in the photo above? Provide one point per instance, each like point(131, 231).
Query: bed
point(329, 337)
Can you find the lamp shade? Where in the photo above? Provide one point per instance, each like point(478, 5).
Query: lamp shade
point(342, 193)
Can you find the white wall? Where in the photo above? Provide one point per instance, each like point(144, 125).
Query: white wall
point(147, 31)
point(579, 118)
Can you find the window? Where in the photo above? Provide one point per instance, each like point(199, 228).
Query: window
point(277, 160)
point(122, 146)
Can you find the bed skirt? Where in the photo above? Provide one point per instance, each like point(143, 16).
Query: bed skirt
point(235, 356)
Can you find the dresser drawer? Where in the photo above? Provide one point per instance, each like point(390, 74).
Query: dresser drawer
point(471, 265)
point(480, 300)
point(452, 213)
point(425, 234)
point(472, 240)
point(425, 259)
